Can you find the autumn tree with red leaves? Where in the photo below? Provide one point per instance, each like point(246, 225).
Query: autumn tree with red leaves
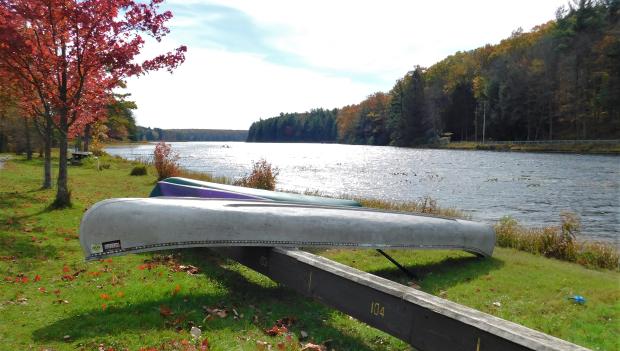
point(73, 53)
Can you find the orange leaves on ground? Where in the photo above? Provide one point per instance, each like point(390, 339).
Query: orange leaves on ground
point(120, 294)
point(20, 278)
point(170, 262)
point(67, 277)
point(104, 296)
point(275, 330)
point(165, 311)
point(42, 290)
point(70, 277)
point(176, 289)
point(37, 278)
point(147, 266)
point(104, 306)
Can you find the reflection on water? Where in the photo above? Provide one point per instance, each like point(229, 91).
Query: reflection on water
point(533, 188)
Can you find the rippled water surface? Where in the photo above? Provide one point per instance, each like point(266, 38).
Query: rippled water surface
point(531, 187)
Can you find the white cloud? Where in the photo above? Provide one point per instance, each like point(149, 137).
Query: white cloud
point(351, 40)
point(219, 89)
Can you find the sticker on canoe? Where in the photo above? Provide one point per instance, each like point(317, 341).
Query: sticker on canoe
point(111, 245)
point(96, 248)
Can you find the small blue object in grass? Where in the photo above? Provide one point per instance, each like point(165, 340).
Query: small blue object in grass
point(578, 299)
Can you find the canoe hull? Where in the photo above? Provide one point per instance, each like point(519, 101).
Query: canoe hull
point(121, 226)
point(176, 186)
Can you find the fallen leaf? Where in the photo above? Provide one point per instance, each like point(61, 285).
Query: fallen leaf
point(37, 278)
point(313, 347)
point(261, 345)
point(204, 345)
point(42, 289)
point(104, 306)
point(176, 289)
point(120, 294)
point(165, 311)
point(104, 296)
point(275, 330)
point(286, 321)
point(66, 269)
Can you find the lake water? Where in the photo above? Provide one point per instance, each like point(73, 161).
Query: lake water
point(531, 187)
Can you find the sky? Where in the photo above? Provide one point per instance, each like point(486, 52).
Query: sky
point(250, 59)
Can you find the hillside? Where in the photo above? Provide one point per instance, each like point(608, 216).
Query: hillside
point(561, 80)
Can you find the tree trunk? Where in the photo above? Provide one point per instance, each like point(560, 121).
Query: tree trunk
point(86, 137)
point(47, 160)
point(28, 141)
point(63, 196)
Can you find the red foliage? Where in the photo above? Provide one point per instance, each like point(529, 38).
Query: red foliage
point(165, 161)
point(71, 53)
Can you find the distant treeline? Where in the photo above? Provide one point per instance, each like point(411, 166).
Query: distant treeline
point(157, 134)
point(559, 81)
point(314, 126)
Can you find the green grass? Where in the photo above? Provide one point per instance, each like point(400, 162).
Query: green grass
point(38, 314)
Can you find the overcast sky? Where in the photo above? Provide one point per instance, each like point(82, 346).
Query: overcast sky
point(250, 59)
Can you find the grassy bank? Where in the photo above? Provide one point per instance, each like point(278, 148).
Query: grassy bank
point(50, 298)
point(576, 148)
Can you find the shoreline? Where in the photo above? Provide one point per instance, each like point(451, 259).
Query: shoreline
point(611, 148)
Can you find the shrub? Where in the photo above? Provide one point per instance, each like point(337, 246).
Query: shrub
point(138, 170)
point(165, 161)
point(557, 242)
point(263, 176)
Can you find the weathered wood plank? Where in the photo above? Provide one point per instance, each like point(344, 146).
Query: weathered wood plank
point(425, 321)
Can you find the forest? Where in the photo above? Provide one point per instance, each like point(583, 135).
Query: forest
point(157, 134)
point(561, 80)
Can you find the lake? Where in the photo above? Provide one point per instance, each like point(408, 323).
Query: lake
point(534, 188)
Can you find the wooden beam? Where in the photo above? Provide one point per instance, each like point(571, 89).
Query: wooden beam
point(425, 321)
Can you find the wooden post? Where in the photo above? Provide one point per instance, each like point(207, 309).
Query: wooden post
point(425, 321)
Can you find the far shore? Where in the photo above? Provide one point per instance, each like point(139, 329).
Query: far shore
point(594, 147)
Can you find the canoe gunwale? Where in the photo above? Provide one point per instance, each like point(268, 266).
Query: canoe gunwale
point(274, 243)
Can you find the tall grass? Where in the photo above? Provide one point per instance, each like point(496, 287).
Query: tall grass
point(559, 242)
point(204, 176)
point(425, 205)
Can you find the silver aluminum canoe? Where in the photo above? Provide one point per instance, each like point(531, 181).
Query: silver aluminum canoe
point(120, 226)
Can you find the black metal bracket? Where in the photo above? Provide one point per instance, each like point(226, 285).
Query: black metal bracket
point(409, 273)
